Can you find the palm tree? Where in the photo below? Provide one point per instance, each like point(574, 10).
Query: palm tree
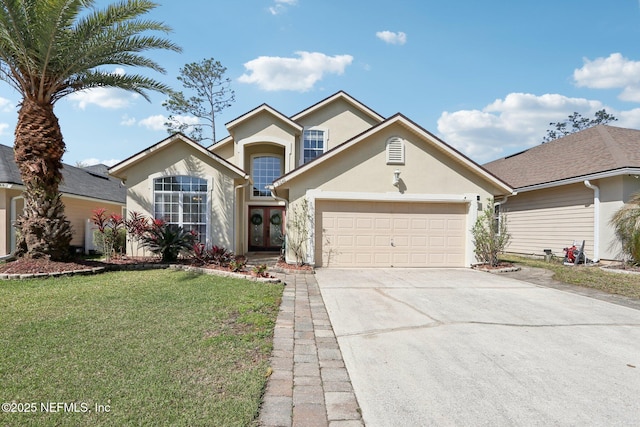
point(50, 49)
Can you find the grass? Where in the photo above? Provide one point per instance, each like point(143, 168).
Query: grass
point(154, 348)
point(591, 277)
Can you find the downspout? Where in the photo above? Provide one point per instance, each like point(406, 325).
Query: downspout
point(596, 219)
point(235, 198)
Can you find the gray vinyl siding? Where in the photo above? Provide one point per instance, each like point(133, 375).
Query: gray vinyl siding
point(550, 219)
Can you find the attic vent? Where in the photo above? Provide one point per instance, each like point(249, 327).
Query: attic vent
point(395, 151)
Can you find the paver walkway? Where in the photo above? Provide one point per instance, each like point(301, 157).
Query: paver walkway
point(309, 385)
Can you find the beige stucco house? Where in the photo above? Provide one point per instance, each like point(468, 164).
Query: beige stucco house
point(568, 190)
point(83, 190)
point(370, 191)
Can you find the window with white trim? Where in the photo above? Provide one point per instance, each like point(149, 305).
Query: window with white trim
point(395, 151)
point(264, 169)
point(314, 144)
point(496, 218)
point(182, 200)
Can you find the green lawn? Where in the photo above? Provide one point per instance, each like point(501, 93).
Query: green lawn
point(152, 348)
point(590, 277)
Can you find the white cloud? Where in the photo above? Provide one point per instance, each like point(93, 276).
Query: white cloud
point(157, 122)
point(187, 120)
point(613, 72)
point(390, 37)
point(6, 105)
point(110, 98)
point(128, 121)
point(93, 161)
point(300, 74)
point(517, 122)
point(280, 6)
point(154, 122)
point(3, 128)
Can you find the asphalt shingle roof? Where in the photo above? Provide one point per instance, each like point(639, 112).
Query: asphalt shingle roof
point(600, 148)
point(92, 181)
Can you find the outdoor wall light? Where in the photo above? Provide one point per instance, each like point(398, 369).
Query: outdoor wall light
point(396, 177)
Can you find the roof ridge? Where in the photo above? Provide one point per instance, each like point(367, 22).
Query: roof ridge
point(619, 156)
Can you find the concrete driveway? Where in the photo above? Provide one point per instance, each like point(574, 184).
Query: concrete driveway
point(461, 347)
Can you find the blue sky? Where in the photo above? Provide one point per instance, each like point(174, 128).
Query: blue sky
point(486, 77)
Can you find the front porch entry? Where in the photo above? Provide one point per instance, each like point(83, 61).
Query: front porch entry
point(266, 228)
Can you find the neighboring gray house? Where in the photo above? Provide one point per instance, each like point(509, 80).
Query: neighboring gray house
point(568, 189)
point(83, 189)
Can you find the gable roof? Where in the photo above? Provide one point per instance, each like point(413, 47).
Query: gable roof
point(117, 169)
point(292, 121)
point(92, 182)
point(332, 98)
point(591, 151)
point(260, 109)
point(417, 129)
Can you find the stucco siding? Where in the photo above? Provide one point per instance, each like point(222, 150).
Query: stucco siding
point(225, 151)
point(342, 119)
point(364, 168)
point(427, 174)
point(550, 219)
point(181, 159)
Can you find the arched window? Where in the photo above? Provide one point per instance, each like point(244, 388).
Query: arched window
point(182, 200)
point(395, 151)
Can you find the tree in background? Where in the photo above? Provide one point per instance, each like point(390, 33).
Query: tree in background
point(212, 95)
point(48, 50)
point(575, 122)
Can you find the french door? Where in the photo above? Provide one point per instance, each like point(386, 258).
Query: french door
point(266, 228)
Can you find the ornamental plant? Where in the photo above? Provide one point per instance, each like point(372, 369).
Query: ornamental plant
point(168, 240)
point(137, 225)
point(110, 233)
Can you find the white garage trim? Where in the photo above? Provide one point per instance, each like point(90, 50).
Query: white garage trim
point(470, 199)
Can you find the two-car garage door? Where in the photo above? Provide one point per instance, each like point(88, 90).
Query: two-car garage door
point(386, 234)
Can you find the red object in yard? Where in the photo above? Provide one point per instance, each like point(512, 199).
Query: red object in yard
point(571, 253)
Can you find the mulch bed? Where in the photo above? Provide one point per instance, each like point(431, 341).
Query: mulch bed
point(39, 266)
point(44, 266)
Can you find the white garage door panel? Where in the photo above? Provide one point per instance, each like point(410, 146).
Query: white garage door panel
point(370, 234)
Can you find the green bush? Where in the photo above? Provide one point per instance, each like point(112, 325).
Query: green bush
point(490, 235)
point(110, 241)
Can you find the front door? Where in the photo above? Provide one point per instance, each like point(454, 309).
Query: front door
point(266, 228)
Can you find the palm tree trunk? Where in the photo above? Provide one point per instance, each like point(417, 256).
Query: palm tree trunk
point(44, 231)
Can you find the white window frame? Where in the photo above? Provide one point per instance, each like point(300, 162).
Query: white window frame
point(181, 193)
point(325, 141)
point(497, 217)
point(395, 150)
point(253, 156)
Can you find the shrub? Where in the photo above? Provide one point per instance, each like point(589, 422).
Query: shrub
point(216, 255)
point(109, 236)
point(626, 224)
point(260, 270)
point(490, 237)
point(168, 240)
point(237, 264)
point(137, 225)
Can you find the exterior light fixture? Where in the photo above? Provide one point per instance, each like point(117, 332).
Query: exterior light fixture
point(396, 177)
